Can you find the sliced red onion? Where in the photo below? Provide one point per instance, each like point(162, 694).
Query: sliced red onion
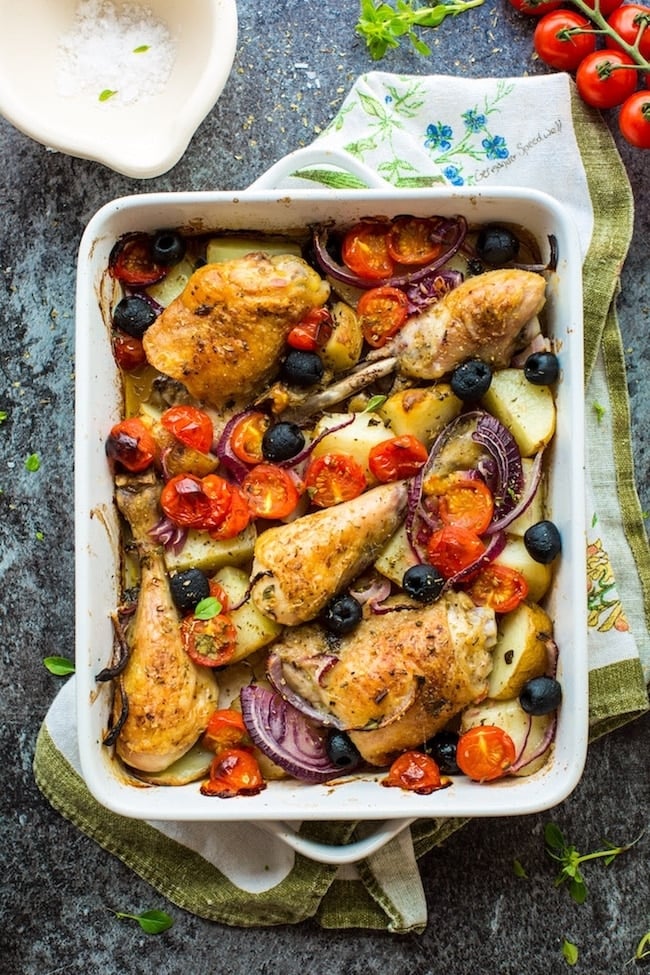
point(168, 534)
point(501, 444)
point(525, 498)
point(286, 736)
point(308, 448)
point(519, 762)
point(275, 673)
point(374, 595)
point(421, 294)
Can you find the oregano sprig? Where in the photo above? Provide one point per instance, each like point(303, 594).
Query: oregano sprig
point(383, 26)
point(571, 860)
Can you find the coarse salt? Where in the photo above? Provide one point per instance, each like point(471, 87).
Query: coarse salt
point(116, 56)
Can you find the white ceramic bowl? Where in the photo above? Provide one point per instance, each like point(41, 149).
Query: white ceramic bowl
point(140, 138)
point(98, 406)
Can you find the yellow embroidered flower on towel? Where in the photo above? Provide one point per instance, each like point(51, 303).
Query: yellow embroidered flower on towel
point(605, 611)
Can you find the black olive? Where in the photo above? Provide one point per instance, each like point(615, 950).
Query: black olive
point(302, 368)
point(540, 695)
point(496, 245)
point(282, 441)
point(188, 588)
point(167, 247)
point(342, 615)
point(442, 748)
point(471, 380)
point(423, 582)
point(133, 315)
point(543, 542)
point(542, 368)
point(341, 750)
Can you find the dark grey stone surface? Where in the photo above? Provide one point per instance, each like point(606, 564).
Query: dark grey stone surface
point(57, 884)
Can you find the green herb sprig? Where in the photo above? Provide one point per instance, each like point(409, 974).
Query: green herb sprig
point(571, 860)
point(383, 26)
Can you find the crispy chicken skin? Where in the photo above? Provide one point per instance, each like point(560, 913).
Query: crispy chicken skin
point(400, 675)
point(222, 338)
point(170, 698)
point(300, 566)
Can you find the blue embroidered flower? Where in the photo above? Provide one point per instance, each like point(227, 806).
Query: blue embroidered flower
point(452, 173)
point(438, 136)
point(474, 121)
point(495, 147)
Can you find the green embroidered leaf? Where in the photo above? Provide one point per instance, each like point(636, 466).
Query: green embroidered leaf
point(337, 180)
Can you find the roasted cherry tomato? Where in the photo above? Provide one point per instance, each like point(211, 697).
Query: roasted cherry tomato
point(536, 8)
point(128, 351)
point(498, 586)
point(452, 549)
point(606, 78)
point(397, 458)
point(485, 752)
point(235, 520)
point(563, 38)
point(190, 425)
point(130, 445)
point(270, 491)
point(312, 331)
point(226, 729)
point(413, 240)
point(333, 478)
point(415, 772)
point(631, 22)
point(634, 119)
point(365, 251)
point(246, 437)
point(193, 502)
point(211, 642)
point(131, 261)
point(467, 502)
point(235, 772)
point(382, 312)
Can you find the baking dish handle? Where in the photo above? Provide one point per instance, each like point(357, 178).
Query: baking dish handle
point(315, 156)
point(336, 855)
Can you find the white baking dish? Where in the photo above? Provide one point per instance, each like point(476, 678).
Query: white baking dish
point(283, 804)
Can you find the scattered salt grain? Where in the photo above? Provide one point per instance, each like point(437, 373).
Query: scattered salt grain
point(116, 56)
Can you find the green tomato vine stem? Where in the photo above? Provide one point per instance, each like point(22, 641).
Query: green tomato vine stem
point(595, 16)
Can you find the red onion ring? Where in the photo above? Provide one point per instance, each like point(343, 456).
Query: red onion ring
point(543, 746)
point(275, 674)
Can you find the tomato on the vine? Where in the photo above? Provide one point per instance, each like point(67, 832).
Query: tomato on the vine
point(415, 772)
point(190, 425)
point(634, 119)
point(365, 251)
point(631, 22)
point(606, 7)
point(333, 478)
point(536, 8)
point(485, 752)
point(606, 78)
point(397, 458)
point(382, 312)
point(563, 38)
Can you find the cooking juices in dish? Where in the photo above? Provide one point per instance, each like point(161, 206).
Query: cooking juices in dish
point(330, 472)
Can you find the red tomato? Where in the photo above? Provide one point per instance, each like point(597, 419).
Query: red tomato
point(535, 8)
point(563, 38)
point(236, 519)
point(415, 772)
point(193, 427)
point(606, 7)
point(631, 22)
point(130, 445)
point(333, 478)
point(467, 503)
point(210, 643)
point(312, 331)
point(270, 491)
point(226, 729)
point(365, 251)
point(499, 587)
point(382, 312)
point(605, 78)
point(397, 458)
point(235, 772)
point(193, 502)
point(131, 263)
point(452, 549)
point(413, 240)
point(634, 119)
point(485, 752)
point(128, 351)
point(246, 437)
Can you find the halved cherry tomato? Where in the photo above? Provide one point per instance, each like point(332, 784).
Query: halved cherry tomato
point(412, 240)
point(333, 478)
point(211, 642)
point(131, 262)
point(452, 549)
point(226, 729)
point(397, 458)
point(312, 331)
point(130, 445)
point(485, 752)
point(365, 251)
point(235, 772)
point(535, 8)
point(382, 312)
point(415, 772)
point(246, 437)
point(235, 520)
point(563, 38)
point(467, 502)
point(270, 491)
point(193, 502)
point(606, 78)
point(190, 425)
point(500, 587)
point(630, 22)
point(128, 351)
